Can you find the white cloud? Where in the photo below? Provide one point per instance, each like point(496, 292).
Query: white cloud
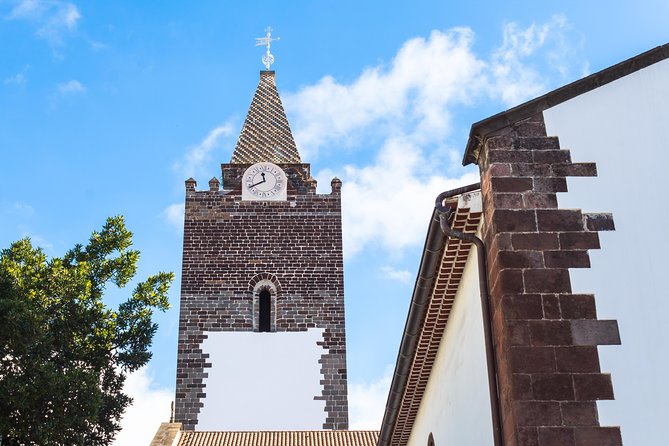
point(424, 76)
point(70, 15)
point(19, 78)
point(423, 82)
point(406, 111)
point(17, 208)
point(196, 156)
point(389, 202)
point(174, 215)
point(402, 114)
point(27, 9)
point(150, 407)
point(52, 18)
point(515, 77)
point(24, 208)
point(97, 46)
point(71, 87)
point(400, 275)
point(367, 402)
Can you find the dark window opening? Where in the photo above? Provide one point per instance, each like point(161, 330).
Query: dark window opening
point(430, 440)
point(264, 311)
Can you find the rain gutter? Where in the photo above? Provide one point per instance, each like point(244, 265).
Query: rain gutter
point(428, 270)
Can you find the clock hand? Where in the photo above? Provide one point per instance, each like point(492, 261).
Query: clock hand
point(259, 182)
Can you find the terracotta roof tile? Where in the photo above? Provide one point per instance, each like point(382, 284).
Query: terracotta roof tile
point(266, 135)
point(279, 438)
point(445, 288)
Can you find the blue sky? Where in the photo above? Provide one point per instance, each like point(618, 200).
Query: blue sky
point(107, 107)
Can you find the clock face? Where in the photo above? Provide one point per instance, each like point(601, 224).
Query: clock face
point(264, 181)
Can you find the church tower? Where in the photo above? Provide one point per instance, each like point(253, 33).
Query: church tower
point(261, 328)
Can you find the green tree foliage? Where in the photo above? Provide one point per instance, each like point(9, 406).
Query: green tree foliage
point(64, 355)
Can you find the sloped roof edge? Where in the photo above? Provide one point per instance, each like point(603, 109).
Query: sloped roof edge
point(482, 129)
point(428, 272)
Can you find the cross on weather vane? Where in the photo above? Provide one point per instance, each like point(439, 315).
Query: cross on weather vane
point(268, 58)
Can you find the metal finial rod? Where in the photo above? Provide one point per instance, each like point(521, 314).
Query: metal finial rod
point(268, 58)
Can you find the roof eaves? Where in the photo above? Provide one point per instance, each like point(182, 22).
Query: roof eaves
point(432, 251)
point(397, 417)
point(487, 127)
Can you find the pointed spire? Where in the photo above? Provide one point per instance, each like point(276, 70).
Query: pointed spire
point(266, 135)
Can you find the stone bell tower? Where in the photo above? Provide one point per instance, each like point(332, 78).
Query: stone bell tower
point(261, 328)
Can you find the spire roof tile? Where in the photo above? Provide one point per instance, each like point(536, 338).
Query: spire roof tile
point(266, 135)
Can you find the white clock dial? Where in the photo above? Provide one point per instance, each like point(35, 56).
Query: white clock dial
point(264, 181)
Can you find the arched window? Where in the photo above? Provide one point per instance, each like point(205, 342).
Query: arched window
point(265, 289)
point(430, 440)
point(265, 311)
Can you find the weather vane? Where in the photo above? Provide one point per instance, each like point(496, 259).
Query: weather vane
point(268, 58)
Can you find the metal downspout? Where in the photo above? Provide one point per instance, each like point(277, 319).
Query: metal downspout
point(432, 254)
point(444, 214)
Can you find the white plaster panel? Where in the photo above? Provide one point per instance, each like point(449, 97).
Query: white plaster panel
point(471, 200)
point(623, 127)
point(263, 381)
point(456, 405)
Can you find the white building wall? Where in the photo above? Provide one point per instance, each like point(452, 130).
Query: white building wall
point(456, 405)
point(263, 381)
point(624, 128)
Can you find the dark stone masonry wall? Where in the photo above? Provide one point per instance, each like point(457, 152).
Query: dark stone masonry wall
point(545, 335)
point(233, 247)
